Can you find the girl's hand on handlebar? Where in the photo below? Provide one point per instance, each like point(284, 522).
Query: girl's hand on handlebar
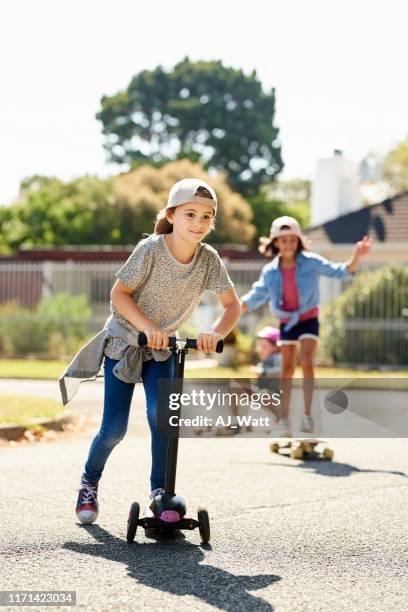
point(207, 341)
point(156, 338)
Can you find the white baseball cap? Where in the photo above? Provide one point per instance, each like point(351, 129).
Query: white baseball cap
point(192, 190)
point(284, 226)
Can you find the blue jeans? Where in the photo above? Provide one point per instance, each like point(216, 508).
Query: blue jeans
point(118, 398)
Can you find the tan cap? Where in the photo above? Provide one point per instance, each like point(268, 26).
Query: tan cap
point(192, 190)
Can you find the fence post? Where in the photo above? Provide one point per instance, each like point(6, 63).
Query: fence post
point(47, 286)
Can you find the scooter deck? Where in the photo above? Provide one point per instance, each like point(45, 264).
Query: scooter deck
point(302, 448)
point(148, 522)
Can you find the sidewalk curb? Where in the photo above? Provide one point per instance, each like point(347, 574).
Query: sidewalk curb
point(12, 431)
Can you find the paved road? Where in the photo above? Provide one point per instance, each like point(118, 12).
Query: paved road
point(286, 535)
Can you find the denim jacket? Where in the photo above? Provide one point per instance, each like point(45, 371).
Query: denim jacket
point(309, 266)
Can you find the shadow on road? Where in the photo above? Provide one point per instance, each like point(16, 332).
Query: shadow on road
point(174, 566)
point(332, 468)
point(340, 470)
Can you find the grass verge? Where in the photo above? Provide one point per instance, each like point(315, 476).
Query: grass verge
point(51, 370)
point(31, 368)
point(22, 410)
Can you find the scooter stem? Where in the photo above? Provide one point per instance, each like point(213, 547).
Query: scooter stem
point(179, 355)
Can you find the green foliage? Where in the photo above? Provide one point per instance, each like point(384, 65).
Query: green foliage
point(245, 348)
point(202, 111)
point(290, 191)
point(355, 326)
point(140, 194)
point(301, 212)
point(90, 211)
point(52, 212)
point(266, 210)
point(56, 327)
point(395, 167)
point(66, 309)
point(237, 349)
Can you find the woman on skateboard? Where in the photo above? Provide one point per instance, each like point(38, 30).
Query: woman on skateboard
point(290, 283)
point(156, 291)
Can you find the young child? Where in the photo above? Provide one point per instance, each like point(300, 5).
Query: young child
point(269, 368)
point(290, 283)
point(156, 291)
point(268, 352)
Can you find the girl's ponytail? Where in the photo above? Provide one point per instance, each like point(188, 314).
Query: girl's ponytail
point(163, 226)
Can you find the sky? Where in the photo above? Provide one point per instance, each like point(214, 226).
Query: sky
point(337, 66)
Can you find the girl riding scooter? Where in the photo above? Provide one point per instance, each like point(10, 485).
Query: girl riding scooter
point(156, 291)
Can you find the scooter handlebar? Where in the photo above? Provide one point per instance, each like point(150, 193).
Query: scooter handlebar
point(189, 342)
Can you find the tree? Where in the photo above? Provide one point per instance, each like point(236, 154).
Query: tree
point(141, 193)
point(292, 191)
point(395, 167)
point(200, 110)
point(90, 210)
point(51, 212)
point(265, 211)
point(290, 197)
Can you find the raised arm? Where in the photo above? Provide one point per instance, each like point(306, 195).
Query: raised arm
point(361, 248)
point(342, 270)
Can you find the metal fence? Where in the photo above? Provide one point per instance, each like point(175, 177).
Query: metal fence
point(25, 284)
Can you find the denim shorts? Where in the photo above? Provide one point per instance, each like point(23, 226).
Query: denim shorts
point(303, 330)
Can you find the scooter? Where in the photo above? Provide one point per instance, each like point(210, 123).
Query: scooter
point(168, 509)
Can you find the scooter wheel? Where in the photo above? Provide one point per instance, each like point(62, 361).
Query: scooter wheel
point(132, 521)
point(204, 525)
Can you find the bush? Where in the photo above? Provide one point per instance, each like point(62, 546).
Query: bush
point(56, 328)
point(366, 323)
point(141, 193)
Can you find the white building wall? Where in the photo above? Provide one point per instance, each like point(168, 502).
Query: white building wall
point(335, 189)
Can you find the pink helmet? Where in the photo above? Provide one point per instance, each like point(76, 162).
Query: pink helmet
point(269, 333)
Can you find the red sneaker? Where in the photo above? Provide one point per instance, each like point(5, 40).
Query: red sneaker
point(87, 505)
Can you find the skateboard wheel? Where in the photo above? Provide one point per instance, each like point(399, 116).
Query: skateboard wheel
point(296, 453)
point(274, 447)
point(328, 454)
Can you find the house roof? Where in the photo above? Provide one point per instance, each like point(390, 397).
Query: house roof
point(386, 221)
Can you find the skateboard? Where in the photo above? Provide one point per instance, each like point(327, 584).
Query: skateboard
point(302, 448)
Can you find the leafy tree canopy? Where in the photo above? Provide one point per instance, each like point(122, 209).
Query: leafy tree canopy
point(290, 197)
point(200, 110)
point(142, 192)
point(91, 211)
